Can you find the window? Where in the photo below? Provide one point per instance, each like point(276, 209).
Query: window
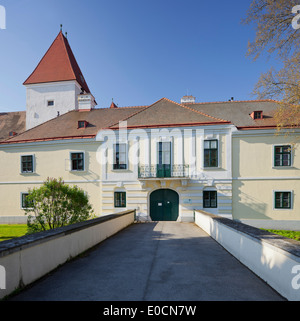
point(27, 164)
point(77, 161)
point(120, 199)
point(50, 103)
point(82, 124)
point(164, 159)
point(282, 155)
point(24, 202)
point(120, 156)
point(257, 115)
point(210, 153)
point(210, 199)
point(283, 200)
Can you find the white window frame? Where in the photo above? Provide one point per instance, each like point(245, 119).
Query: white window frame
point(273, 156)
point(21, 201)
point(84, 162)
point(211, 138)
point(170, 141)
point(33, 164)
point(126, 198)
point(126, 156)
point(283, 191)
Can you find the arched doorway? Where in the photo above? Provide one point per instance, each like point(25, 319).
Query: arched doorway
point(164, 205)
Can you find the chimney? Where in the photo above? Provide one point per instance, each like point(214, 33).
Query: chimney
point(86, 102)
point(188, 100)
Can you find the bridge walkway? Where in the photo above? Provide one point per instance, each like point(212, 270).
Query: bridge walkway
point(157, 261)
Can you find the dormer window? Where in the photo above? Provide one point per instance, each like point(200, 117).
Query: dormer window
point(82, 124)
point(258, 114)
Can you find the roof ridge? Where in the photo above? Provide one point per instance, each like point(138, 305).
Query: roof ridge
point(137, 112)
point(40, 60)
point(164, 98)
point(142, 106)
point(196, 111)
point(67, 53)
point(58, 64)
point(234, 101)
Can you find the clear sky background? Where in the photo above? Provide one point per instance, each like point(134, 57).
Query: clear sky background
point(134, 51)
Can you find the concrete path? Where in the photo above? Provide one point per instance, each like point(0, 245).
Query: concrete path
point(164, 261)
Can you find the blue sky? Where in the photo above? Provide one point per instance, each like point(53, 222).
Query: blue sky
point(134, 51)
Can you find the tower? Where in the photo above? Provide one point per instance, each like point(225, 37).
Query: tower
point(56, 86)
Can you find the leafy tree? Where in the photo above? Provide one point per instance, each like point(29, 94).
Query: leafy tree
point(56, 204)
point(275, 22)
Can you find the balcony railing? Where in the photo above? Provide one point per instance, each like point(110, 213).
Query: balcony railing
point(164, 171)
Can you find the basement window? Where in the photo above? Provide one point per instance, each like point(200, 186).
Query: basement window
point(120, 199)
point(210, 199)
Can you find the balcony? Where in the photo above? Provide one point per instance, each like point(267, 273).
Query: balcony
point(163, 171)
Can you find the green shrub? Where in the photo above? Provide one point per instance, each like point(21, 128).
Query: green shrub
point(56, 204)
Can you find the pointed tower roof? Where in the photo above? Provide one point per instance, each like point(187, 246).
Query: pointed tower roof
point(58, 64)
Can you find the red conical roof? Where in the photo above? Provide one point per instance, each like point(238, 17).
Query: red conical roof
point(58, 64)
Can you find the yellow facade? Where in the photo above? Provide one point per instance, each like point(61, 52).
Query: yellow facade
point(51, 159)
point(246, 179)
point(256, 178)
point(101, 181)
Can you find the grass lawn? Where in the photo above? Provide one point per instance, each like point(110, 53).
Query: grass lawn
point(295, 235)
point(8, 232)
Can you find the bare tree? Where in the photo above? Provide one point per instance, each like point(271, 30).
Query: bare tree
point(275, 22)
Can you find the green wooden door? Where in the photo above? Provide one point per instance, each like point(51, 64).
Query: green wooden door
point(164, 205)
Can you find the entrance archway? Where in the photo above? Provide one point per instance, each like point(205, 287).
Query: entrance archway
point(164, 205)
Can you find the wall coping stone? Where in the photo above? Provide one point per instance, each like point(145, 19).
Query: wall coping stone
point(281, 242)
point(26, 241)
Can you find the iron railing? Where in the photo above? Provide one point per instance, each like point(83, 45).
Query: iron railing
point(163, 171)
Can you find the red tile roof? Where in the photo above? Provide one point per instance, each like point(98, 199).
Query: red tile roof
point(163, 113)
point(13, 122)
point(58, 64)
point(167, 113)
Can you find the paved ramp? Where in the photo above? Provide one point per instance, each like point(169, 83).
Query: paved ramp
point(153, 261)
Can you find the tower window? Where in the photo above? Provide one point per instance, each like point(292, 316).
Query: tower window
point(50, 103)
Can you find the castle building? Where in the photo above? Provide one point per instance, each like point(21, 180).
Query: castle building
point(165, 160)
